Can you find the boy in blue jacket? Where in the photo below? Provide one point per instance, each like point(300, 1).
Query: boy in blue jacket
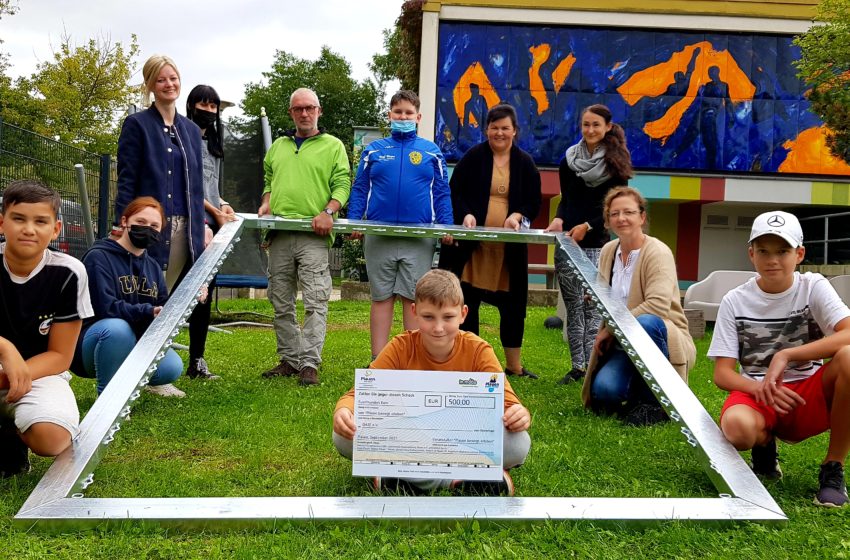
point(401, 179)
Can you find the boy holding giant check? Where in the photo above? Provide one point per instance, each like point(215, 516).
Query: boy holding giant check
point(439, 345)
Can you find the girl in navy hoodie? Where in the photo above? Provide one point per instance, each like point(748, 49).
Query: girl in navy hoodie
point(128, 291)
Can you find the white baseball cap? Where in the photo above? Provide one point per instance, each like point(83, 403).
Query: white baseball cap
point(783, 224)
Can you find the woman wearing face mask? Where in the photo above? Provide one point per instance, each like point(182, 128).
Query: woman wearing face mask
point(128, 291)
point(403, 180)
point(203, 107)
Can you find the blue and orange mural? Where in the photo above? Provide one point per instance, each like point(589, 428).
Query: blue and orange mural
point(727, 102)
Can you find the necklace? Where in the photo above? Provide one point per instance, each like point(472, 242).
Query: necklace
point(501, 177)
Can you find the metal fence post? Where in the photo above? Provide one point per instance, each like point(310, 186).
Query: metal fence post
point(267, 130)
point(84, 203)
point(103, 202)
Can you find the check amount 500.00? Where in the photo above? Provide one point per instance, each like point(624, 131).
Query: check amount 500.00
point(418, 431)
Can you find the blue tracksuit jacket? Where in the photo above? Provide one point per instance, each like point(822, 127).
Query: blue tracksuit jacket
point(401, 179)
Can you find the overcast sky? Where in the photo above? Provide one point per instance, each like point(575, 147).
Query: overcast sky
point(222, 43)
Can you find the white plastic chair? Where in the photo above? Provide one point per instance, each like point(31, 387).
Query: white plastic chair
point(842, 286)
point(706, 294)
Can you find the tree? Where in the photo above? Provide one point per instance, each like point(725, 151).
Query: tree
point(7, 8)
point(346, 103)
point(403, 45)
point(825, 66)
point(78, 95)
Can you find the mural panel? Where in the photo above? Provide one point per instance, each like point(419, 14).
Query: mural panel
point(723, 102)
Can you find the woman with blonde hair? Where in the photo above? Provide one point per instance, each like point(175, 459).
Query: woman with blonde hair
point(642, 274)
point(159, 155)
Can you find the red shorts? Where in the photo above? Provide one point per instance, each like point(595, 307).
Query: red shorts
point(803, 422)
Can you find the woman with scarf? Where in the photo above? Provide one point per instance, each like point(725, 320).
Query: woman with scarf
point(588, 171)
point(203, 107)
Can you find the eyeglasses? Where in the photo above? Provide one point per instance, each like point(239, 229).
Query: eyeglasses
point(304, 109)
point(625, 213)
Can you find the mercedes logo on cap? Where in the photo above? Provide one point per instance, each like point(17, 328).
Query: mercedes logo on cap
point(776, 221)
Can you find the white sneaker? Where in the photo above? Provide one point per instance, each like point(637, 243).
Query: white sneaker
point(167, 390)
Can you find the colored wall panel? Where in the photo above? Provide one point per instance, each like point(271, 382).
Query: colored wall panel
point(552, 209)
point(688, 100)
point(685, 188)
point(712, 189)
point(841, 193)
point(768, 191)
point(652, 186)
point(664, 223)
point(687, 247)
point(550, 185)
point(821, 193)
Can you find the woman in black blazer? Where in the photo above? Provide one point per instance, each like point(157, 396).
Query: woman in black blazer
point(495, 184)
point(598, 162)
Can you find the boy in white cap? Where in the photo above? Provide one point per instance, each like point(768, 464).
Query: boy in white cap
point(780, 327)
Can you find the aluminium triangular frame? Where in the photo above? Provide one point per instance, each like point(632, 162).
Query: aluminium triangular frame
point(59, 502)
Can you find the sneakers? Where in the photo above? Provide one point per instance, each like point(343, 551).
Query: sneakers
point(504, 487)
point(765, 461)
point(645, 414)
point(575, 374)
point(198, 370)
point(395, 486)
point(15, 458)
point(167, 390)
point(309, 376)
point(523, 373)
point(283, 369)
point(833, 492)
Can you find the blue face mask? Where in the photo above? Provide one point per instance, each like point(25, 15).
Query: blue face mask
point(403, 126)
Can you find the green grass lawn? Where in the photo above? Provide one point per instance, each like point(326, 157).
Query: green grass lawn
point(247, 436)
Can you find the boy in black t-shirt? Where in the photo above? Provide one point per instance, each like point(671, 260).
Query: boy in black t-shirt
point(43, 299)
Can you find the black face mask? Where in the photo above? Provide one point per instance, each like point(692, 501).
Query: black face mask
point(143, 237)
point(204, 119)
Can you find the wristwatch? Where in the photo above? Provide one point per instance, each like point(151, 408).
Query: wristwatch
point(328, 211)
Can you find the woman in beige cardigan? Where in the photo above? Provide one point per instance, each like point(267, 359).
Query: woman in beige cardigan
point(642, 274)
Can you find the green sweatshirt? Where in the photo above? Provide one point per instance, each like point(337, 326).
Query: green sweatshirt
point(303, 181)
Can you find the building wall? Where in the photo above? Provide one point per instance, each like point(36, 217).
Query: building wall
point(779, 9)
point(689, 101)
point(724, 246)
point(680, 199)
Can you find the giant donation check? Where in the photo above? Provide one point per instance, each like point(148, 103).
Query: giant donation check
point(428, 424)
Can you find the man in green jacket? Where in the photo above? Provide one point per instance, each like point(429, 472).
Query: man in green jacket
point(307, 175)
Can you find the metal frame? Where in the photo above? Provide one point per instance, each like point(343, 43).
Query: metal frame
point(59, 502)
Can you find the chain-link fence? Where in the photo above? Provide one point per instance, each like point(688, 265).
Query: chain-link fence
point(27, 155)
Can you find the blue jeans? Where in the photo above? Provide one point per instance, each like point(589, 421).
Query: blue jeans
point(106, 345)
point(618, 380)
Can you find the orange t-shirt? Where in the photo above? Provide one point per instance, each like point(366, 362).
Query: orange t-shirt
point(406, 352)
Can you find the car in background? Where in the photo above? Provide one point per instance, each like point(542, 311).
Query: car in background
point(72, 235)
